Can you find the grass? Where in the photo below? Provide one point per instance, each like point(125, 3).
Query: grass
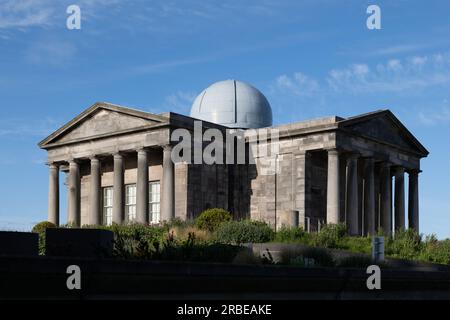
point(185, 241)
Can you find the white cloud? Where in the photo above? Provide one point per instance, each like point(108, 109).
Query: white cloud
point(395, 75)
point(298, 84)
point(432, 118)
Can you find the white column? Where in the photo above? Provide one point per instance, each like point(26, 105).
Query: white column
point(386, 198)
point(352, 195)
point(399, 199)
point(369, 197)
point(95, 216)
point(74, 217)
point(53, 194)
point(333, 192)
point(142, 187)
point(168, 186)
point(118, 196)
point(413, 200)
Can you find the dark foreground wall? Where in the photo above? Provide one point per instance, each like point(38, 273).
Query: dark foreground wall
point(45, 277)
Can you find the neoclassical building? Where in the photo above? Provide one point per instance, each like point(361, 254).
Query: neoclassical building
point(353, 170)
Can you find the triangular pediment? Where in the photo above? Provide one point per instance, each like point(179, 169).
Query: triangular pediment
point(101, 120)
point(383, 126)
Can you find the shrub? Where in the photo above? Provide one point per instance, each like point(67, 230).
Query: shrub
point(244, 232)
point(406, 244)
point(330, 235)
point(136, 240)
point(183, 233)
point(356, 244)
point(436, 251)
point(291, 235)
point(179, 223)
point(42, 226)
point(40, 229)
point(211, 219)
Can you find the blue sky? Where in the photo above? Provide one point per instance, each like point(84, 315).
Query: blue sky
point(310, 58)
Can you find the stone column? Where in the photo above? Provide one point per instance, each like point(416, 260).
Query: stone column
point(399, 199)
point(369, 197)
point(53, 194)
point(118, 195)
point(352, 195)
point(168, 187)
point(386, 198)
point(333, 184)
point(95, 215)
point(74, 217)
point(302, 159)
point(142, 187)
point(413, 200)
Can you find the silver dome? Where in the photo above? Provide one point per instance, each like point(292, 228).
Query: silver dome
point(233, 104)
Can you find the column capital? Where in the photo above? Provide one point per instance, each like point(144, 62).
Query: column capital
point(353, 155)
point(142, 150)
point(94, 157)
point(167, 147)
point(118, 155)
point(52, 165)
point(334, 151)
point(414, 171)
point(73, 161)
point(398, 170)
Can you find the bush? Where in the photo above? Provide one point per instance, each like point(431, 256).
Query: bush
point(244, 232)
point(406, 244)
point(40, 229)
point(356, 244)
point(291, 235)
point(211, 219)
point(330, 235)
point(136, 240)
point(42, 226)
point(436, 251)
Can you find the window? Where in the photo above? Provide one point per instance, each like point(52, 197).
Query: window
point(107, 205)
point(130, 202)
point(154, 201)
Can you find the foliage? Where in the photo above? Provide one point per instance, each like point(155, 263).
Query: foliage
point(330, 235)
point(294, 234)
point(406, 244)
point(40, 229)
point(211, 219)
point(245, 231)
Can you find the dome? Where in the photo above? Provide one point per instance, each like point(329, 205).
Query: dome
point(233, 104)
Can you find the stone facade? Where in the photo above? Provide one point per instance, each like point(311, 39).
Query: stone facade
point(330, 170)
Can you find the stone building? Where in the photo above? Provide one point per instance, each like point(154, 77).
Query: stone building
point(354, 170)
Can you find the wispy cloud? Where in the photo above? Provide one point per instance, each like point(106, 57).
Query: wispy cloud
point(433, 118)
point(399, 49)
point(24, 14)
point(298, 84)
point(26, 127)
point(395, 75)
